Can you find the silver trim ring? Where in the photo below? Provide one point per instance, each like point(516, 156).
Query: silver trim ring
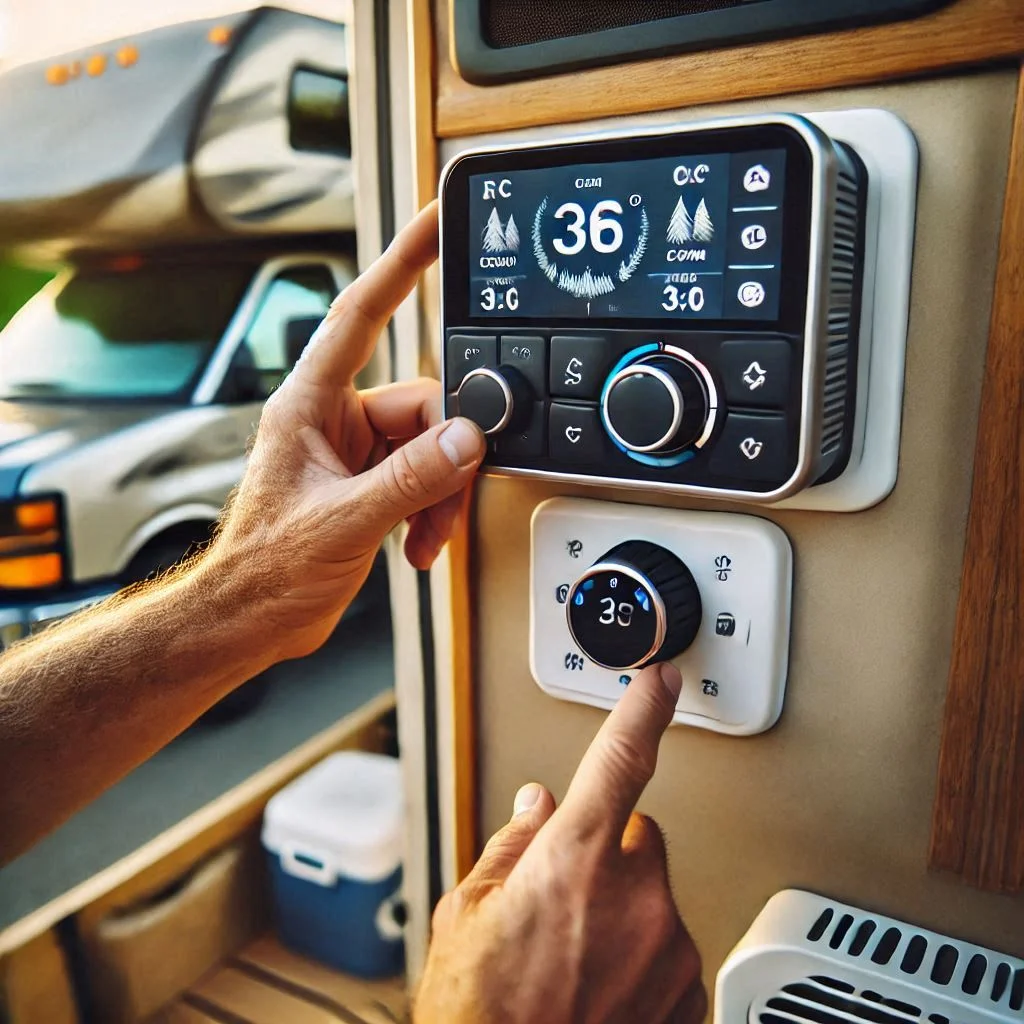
point(483, 371)
point(710, 391)
point(670, 386)
point(660, 616)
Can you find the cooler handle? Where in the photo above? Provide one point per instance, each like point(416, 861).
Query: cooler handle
point(307, 865)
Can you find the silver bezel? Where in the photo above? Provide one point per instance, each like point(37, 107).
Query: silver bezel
point(823, 185)
point(660, 618)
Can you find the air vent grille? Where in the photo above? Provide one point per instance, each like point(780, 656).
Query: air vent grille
point(914, 953)
point(808, 960)
point(842, 321)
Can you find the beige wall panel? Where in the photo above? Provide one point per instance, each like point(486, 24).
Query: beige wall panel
point(838, 797)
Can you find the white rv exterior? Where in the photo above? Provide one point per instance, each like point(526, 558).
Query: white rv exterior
point(200, 192)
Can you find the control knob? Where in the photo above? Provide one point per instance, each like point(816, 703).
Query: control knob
point(657, 405)
point(637, 603)
point(495, 400)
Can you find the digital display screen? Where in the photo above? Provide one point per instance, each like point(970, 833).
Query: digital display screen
point(613, 619)
point(697, 237)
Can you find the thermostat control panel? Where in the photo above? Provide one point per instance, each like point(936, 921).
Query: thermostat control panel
point(673, 308)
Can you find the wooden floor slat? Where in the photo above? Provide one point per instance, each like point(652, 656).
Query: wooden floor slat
point(266, 984)
point(254, 1002)
point(376, 1002)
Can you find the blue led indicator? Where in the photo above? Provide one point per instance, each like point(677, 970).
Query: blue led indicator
point(642, 599)
point(588, 585)
point(578, 599)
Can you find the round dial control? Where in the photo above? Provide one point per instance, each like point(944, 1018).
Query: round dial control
point(494, 399)
point(636, 603)
point(657, 404)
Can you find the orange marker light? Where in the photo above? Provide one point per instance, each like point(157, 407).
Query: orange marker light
point(96, 65)
point(220, 35)
point(127, 56)
point(31, 571)
point(36, 515)
point(57, 74)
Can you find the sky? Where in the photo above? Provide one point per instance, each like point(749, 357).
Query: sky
point(35, 29)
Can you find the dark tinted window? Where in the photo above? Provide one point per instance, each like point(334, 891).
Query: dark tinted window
point(318, 113)
point(139, 333)
point(299, 293)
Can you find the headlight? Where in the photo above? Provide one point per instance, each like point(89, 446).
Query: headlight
point(31, 543)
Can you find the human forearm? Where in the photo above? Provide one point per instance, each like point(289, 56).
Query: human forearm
point(85, 702)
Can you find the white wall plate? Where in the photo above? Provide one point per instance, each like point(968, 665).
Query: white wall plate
point(743, 567)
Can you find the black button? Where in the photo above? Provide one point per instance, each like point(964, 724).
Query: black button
point(467, 352)
point(751, 294)
point(753, 448)
point(578, 367)
point(755, 240)
point(528, 353)
point(642, 410)
point(526, 443)
point(483, 399)
point(575, 433)
point(756, 373)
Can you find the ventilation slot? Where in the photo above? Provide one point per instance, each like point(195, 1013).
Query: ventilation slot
point(841, 320)
point(824, 1000)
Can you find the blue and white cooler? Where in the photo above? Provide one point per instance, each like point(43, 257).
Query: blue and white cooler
point(334, 843)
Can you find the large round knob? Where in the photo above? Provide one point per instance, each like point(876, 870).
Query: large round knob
point(494, 400)
point(635, 604)
point(658, 404)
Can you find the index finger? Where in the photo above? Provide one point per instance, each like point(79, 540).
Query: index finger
point(344, 342)
point(621, 760)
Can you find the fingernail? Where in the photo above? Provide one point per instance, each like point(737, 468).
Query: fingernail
point(527, 796)
point(460, 441)
point(673, 680)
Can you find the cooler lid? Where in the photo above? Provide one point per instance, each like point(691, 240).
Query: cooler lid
point(346, 814)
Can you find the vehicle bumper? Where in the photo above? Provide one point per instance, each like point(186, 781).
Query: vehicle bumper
point(19, 619)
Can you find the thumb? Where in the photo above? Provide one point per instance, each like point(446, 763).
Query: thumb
point(533, 806)
point(425, 470)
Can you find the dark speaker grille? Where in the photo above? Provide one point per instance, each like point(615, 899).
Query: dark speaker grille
point(520, 22)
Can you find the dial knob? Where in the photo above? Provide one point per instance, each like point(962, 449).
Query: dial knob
point(636, 603)
point(494, 400)
point(658, 404)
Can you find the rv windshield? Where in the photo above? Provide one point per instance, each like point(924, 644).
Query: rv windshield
point(129, 334)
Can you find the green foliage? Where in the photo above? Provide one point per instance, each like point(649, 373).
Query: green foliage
point(17, 285)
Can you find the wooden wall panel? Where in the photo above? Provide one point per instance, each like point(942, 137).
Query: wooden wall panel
point(967, 32)
point(978, 823)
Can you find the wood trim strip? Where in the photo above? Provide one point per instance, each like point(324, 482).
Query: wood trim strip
point(978, 817)
point(463, 700)
point(966, 32)
point(169, 854)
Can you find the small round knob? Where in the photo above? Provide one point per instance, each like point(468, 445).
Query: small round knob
point(658, 404)
point(494, 399)
point(635, 604)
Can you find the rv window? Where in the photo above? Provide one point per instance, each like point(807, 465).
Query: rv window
point(297, 293)
point(144, 333)
point(318, 113)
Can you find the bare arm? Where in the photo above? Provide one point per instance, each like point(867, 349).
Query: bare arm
point(332, 471)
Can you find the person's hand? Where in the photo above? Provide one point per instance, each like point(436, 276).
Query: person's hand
point(334, 469)
point(568, 915)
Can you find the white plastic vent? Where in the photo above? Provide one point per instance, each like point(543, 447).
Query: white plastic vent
point(808, 960)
